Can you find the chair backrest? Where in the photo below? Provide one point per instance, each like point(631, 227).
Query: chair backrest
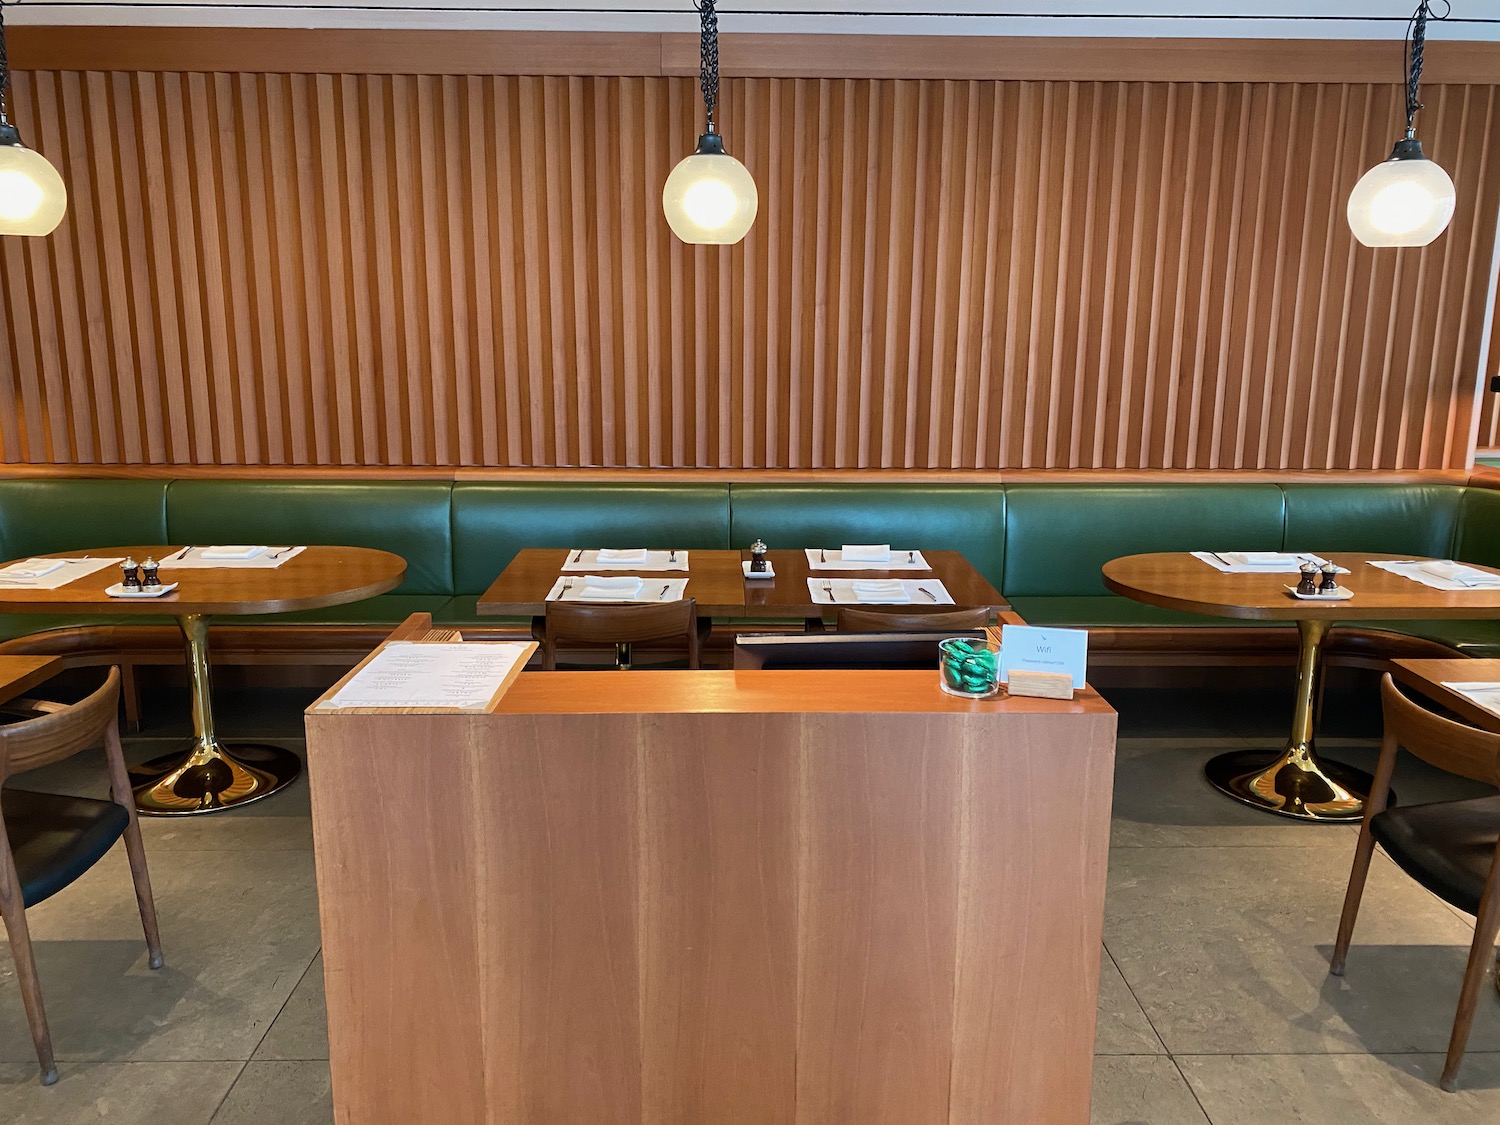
point(911, 621)
point(61, 733)
point(1448, 745)
point(620, 624)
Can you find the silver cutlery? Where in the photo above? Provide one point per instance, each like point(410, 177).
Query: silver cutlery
point(911, 557)
point(664, 590)
point(281, 552)
point(931, 596)
point(828, 589)
point(180, 555)
point(1221, 558)
point(672, 556)
point(579, 556)
point(822, 555)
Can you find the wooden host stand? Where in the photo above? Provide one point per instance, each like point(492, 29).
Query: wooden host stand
point(746, 898)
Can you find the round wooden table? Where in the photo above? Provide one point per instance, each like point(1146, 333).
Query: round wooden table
point(208, 776)
point(1296, 782)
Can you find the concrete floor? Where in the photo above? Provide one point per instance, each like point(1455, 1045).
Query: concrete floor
point(1216, 1005)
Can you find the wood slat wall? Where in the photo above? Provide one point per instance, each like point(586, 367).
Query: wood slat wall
point(451, 270)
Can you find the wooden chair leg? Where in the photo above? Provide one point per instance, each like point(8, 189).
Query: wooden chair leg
point(135, 849)
point(1481, 954)
point(13, 910)
point(1374, 803)
point(131, 694)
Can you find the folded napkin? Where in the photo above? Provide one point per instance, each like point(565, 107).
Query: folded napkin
point(866, 552)
point(1258, 558)
point(33, 568)
point(230, 552)
point(622, 555)
point(621, 585)
point(1460, 573)
point(880, 590)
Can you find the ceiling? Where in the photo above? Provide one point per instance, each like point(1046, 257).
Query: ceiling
point(1334, 19)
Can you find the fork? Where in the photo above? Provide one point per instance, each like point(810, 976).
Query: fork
point(664, 590)
point(567, 585)
point(672, 556)
point(579, 556)
point(180, 555)
point(828, 589)
point(822, 555)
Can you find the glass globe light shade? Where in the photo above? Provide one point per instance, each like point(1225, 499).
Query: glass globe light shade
point(32, 195)
point(710, 197)
point(1404, 201)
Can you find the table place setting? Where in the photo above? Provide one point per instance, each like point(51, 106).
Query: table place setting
point(230, 557)
point(866, 556)
point(870, 591)
point(51, 574)
point(634, 558)
point(1261, 562)
point(1443, 574)
point(620, 588)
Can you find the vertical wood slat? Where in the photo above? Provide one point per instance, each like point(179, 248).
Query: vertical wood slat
point(414, 270)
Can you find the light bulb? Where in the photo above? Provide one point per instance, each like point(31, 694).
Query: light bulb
point(710, 197)
point(1404, 201)
point(33, 198)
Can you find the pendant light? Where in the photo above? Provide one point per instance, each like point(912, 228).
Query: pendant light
point(710, 198)
point(1407, 200)
point(32, 195)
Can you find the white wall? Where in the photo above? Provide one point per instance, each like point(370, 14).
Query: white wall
point(1334, 19)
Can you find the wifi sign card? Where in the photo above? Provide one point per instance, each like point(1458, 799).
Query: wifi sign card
point(1028, 648)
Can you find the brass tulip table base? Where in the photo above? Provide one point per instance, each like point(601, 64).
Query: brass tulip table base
point(209, 776)
point(1296, 783)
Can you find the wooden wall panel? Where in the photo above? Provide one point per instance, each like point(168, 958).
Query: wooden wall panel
point(456, 270)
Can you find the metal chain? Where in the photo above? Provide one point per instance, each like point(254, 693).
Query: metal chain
point(1416, 45)
point(4, 64)
point(708, 66)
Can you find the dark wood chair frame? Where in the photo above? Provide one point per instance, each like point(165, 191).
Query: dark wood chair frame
point(57, 731)
point(902, 620)
point(621, 626)
point(1456, 748)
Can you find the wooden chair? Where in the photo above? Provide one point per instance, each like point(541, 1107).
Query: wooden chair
point(47, 841)
point(902, 620)
point(1452, 848)
point(621, 626)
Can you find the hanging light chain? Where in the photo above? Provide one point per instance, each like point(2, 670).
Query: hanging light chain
point(1416, 44)
point(708, 66)
point(4, 66)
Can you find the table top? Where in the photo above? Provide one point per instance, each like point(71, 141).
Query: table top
point(1427, 677)
point(312, 579)
point(717, 580)
point(19, 674)
point(1176, 580)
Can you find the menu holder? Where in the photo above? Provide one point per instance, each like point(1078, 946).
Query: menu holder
point(422, 672)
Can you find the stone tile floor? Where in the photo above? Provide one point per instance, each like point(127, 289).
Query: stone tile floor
point(1215, 1004)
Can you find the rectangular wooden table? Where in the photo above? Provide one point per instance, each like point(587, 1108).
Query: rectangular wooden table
point(762, 897)
point(716, 579)
point(19, 674)
point(1428, 677)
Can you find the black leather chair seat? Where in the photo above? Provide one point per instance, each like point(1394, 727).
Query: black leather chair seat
point(1447, 847)
point(56, 839)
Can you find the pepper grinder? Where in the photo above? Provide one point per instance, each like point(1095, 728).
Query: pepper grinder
point(132, 575)
point(150, 580)
point(1309, 583)
point(757, 557)
point(1330, 579)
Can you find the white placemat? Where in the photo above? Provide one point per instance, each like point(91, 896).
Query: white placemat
point(581, 560)
point(841, 591)
point(654, 590)
point(269, 559)
point(1260, 562)
point(70, 571)
point(1460, 576)
point(1487, 695)
point(829, 559)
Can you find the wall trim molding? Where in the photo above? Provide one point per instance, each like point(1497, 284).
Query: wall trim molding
point(753, 55)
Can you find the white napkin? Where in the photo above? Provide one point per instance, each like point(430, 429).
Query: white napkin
point(865, 552)
point(621, 585)
point(1460, 573)
point(1258, 558)
point(33, 568)
point(880, 590)
point(622, 555)
point(231, 552)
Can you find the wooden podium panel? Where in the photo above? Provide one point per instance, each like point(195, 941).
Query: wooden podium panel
point(743, 907)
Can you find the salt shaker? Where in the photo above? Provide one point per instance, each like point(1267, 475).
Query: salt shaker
point(757, 557)
point(132, 575)
point(1330, 579)
point(149, 577)
point(1309, 583)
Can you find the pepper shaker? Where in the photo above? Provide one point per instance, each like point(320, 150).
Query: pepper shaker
point(132, 575)
point(1330, 579)
point(149, 577)
point(757, 557)
point(1309, 583)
